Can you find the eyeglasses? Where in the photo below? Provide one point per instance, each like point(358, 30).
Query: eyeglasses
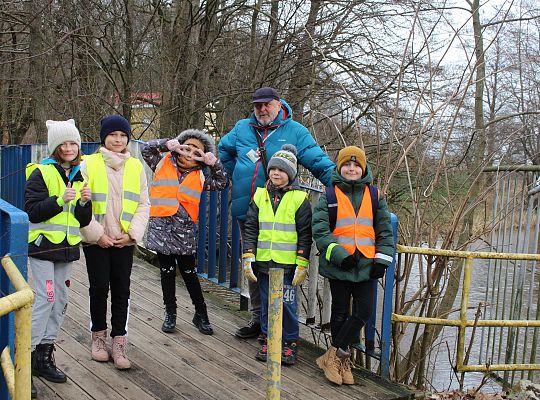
point(258, 106)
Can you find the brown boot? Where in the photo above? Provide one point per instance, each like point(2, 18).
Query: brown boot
point(331, 365)
point(119, 352)
point(99, 346)
point(346, 372)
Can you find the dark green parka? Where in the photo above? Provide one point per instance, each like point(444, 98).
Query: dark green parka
point(329, 264)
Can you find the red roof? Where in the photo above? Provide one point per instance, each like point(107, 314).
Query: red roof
point(140, 98)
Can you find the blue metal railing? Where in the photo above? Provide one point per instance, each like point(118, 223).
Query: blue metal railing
point(13, 161)
point(386, 318)
point(217, 257)
point(13, 242)
point(213, 245)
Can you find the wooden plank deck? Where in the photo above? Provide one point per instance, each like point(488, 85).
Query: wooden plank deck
point(184, 364)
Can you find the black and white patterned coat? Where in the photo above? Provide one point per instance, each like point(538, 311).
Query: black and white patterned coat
point(176, 234)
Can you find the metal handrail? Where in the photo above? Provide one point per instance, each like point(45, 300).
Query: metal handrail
point(18, 374)
point(462, 323)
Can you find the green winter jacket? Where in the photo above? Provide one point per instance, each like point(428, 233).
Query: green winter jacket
point(384, 241)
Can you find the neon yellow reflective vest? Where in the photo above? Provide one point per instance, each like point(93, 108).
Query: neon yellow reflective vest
point(277, 232)
point(64, 224)
point(98, 183)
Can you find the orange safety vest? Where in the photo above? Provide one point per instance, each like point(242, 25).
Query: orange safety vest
point(355, 231)
point(166, 193)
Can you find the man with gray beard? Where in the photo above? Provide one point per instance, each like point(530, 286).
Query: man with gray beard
point(245, 152)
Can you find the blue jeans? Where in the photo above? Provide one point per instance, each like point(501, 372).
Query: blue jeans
point(291, 330)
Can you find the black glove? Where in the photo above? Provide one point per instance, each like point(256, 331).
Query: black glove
point(377, 271)
point(348, 262)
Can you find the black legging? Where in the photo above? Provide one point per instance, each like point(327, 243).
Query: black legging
point(344, 328)
point(109, 268)
point(186, 264)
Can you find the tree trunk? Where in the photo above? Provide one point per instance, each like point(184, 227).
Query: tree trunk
point(420, 349)
point(36, 76)
point(303, 70)
point(127, 81)
point(178, 67)
point(254, 53)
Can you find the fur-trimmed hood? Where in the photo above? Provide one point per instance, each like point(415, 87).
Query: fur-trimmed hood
point(205, 138)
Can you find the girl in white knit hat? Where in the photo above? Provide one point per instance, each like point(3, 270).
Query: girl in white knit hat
point(58, 204)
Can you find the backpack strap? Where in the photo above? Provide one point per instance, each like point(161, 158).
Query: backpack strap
point(374, 194)
point(331, 200)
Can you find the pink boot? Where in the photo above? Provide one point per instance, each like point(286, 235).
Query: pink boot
point(99, 346)
point(119, 352)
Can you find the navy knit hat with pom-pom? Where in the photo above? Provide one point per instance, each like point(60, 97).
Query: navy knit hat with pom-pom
point(285, 160)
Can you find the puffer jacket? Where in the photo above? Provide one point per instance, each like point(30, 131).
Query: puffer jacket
point(384, 240)
point(303, 228)
point(40, 207)
point(114, 165)
point(246, 175)
point(176, 234)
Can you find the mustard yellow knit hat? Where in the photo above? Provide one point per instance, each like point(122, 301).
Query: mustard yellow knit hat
point(351, 153)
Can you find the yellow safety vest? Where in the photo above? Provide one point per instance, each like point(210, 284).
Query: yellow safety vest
point(64, 224)
point(98, 183)
point(278, 237)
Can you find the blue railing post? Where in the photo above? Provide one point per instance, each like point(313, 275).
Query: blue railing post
point(386, 329)
point(235, 253)
point(212, 236)
point(223, 234)
point(370, 325)
point(14, 160)
point(89, 147)
point(201, 245)
point(13, 242)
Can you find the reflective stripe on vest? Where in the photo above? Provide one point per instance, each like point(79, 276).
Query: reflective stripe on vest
point(166, 193)
point(355, 231)
point(278, 237)
point(98, 182)
point(63, 224)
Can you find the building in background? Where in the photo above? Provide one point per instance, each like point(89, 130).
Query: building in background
point(145, 114)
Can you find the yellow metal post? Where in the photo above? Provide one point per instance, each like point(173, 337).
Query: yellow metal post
point(9, 371)
point(275, 318)
point(463, 312)
point(23, 338)
point(21, 303)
